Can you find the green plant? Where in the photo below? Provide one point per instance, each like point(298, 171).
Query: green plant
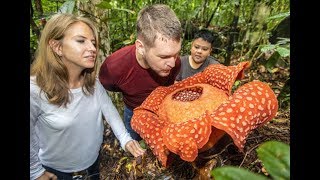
point(275, 157)
point(278, 51)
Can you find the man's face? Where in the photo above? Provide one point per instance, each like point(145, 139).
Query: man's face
point(162, 56)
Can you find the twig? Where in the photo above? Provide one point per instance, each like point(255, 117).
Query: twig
point(217, 154)
point(254, 147)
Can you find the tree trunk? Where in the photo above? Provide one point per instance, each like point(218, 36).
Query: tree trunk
point(38, 6)
point(232, 34)
point(213, 12)
point(35, 29)
point(100, 17)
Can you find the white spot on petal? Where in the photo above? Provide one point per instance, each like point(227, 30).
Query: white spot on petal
point(240, 129)
point(267, 95)
point(200, 131)
point(223, 124)
point(229, 110)
point(260, 108)
point(216, 118)
point(195, 126)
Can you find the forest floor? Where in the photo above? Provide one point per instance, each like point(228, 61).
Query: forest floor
point(117, 164)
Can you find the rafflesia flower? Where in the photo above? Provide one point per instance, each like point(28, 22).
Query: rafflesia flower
point(192, 115)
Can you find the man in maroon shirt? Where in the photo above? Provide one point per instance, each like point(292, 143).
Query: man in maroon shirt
point(153, 60)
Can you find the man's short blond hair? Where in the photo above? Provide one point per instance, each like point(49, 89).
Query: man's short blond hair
point(158, 19)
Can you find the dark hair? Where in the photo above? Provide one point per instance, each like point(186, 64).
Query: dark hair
point(205, 34)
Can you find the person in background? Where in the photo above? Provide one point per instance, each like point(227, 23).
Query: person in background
point(136, 70)
point(199, 59)
point(68, 103)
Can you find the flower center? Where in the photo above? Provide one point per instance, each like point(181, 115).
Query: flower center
point(190, 102)
point(188, 94)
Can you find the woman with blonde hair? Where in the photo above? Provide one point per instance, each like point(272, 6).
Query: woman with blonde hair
point(68, 103)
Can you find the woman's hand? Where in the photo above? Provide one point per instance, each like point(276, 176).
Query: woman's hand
point(47, 176)
point(134, 148)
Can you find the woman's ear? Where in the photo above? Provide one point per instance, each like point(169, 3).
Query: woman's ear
point(140, 47)
point(55, 46)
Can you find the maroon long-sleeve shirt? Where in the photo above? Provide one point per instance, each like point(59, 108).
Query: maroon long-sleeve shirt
point(121, 72)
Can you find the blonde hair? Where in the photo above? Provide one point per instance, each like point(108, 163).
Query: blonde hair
point(50, 72)
point(157, 18)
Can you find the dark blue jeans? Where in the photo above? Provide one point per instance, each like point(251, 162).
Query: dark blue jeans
point(127, 123)
point(91, 173)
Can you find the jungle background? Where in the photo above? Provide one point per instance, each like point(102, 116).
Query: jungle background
point(245, 30)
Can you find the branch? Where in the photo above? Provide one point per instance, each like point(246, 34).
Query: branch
point(214, 11)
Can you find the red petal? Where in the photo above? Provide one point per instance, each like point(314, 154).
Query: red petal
point(153, 101)
point(223, 77)
point(149, 127)
point(252, 105)
point(185, 138)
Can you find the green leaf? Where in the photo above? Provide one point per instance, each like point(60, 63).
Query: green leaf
point(280, 15)
point(67, 7)
point(237, 83)
point(266, 48)
point(143, 144)
point(104, 5)
point(284, 52)
point(283, 41)
point(234, 173)
point(127, 10)
point(108, 5)
point(275, 156)
point(126, 42)
point(272, 61)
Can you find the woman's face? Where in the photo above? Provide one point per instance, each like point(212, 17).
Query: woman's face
point(78, 49)
point(200, 50)
point(162, 56)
